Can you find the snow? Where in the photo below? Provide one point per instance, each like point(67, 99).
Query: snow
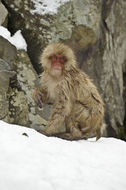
point(47, 7)
point(49, 163)
point(17, 39)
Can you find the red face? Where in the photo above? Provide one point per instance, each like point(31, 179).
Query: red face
point(57, 61)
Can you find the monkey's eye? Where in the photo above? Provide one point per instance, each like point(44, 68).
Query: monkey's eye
point(58, 58)
point(53, 58)
point(64, 59)
point(61, 59)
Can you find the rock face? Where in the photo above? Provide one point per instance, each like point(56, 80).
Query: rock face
point(3, 15)
point(17, 78)
point(114, 61)
point(26, 77)
point(105, 62)
point(5, 75)
point(40, 30)
point(96, 32)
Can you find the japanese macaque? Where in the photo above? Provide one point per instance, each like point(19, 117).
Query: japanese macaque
point(77, 103)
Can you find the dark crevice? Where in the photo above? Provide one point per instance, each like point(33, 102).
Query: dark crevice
point(122, 130)
point(110, 131)
point(106, 8)
point(9, 26)
point(105, 25)
point(125, 121)
point(124, 97)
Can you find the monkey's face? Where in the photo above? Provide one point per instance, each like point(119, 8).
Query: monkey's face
point(57, 59)
point(57, 64)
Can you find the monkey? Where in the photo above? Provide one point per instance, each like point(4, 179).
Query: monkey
point(77, 103)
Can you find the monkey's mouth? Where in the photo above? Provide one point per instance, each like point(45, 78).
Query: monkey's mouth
point(57, 66)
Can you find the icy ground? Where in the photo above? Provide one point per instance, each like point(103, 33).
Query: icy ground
point(17, 39)
point(47, 7)
point(37, 162)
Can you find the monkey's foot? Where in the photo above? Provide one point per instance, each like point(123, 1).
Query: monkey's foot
point(69, 136)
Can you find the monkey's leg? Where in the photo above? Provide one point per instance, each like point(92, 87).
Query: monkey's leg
point(56, 120)
point(72, 126)
point(72, 130)
point(88, 132)
point(54, 126)
point(88, 120)
point(60, 111)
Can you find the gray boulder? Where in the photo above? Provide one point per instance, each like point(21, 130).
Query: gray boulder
point(3, 15)
point(5, 75)
point(17, 78)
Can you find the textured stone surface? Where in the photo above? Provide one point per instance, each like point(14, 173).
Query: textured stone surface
point(17, 78)
point(40, 30)
point(26, 77)
point(7, 52)
point(113, 59)
point(105, 62)
point(5, 75)
point(3, 15)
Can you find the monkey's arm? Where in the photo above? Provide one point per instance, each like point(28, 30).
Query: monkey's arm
point(40, 96)
point(61, 110)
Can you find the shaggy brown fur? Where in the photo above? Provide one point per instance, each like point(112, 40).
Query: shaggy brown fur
point(78, 104)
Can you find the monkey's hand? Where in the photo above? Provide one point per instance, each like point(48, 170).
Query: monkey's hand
point(39, 96)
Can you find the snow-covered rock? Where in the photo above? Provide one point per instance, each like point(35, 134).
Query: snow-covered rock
point(47, 7)
point(17, 39)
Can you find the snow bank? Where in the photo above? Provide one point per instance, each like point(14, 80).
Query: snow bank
point(17, 39)
point(37, 162)
point(47, 7)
